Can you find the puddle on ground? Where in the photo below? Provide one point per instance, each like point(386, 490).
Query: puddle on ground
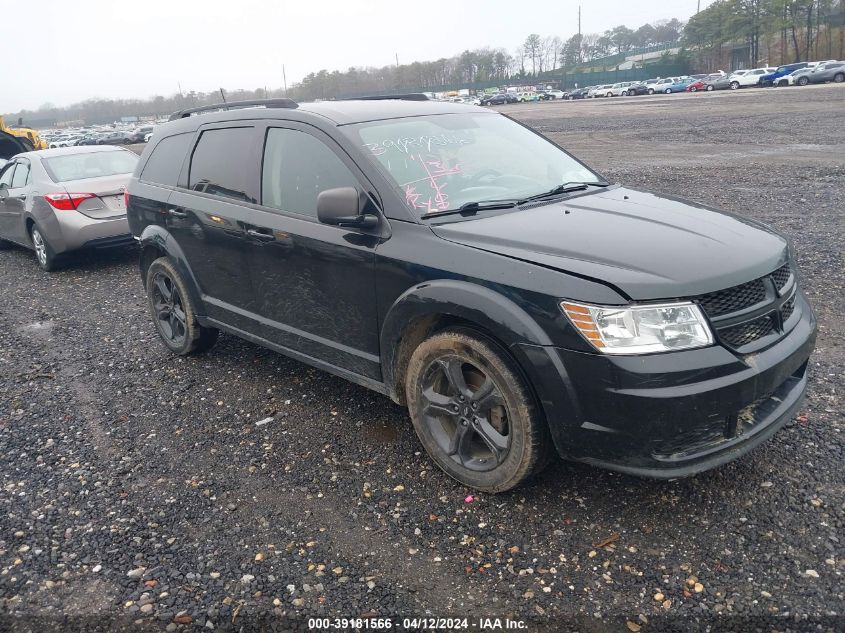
point(384, 433)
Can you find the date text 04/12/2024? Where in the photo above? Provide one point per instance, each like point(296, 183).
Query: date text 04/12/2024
point(416, 624)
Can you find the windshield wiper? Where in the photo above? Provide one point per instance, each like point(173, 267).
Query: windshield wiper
point(470, 208)
point(474, 207)
point(567, 187)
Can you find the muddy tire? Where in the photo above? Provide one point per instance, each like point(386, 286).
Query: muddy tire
point(173, 312)
point(473, 412)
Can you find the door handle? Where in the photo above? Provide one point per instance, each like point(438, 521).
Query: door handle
point(174, 213)
point(261, 237)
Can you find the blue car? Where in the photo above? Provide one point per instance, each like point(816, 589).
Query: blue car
point(778, 78)
point(678, 86)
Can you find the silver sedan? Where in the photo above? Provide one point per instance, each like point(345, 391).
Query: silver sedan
point(59, 200)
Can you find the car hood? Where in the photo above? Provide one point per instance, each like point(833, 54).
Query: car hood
point(647, 246)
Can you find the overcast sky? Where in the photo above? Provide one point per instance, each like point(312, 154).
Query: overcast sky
point(70, 50)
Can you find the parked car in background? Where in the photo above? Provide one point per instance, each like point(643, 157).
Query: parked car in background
point(829, 71)
point(551, 95)
point(579, 93)
point(599, 91)
point(720, 83)
point(525, 97)
point(678, 86)
point(499, 99)
point(661, 84)
point(619, 89)
point(775, 78)
point(749, 78)
point(115, 137)
point(695, 86)
point(638, 89)
point(58, 200)
point(149, 135)
point(137, 135)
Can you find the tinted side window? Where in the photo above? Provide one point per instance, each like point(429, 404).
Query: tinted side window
point(21, 175)
point(165, 163)
point(220, 163)
point(6, 176)
point(297, 167)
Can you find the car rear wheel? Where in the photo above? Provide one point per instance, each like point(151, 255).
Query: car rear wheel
point(173, 312)
point(668, 91)
point(44, 253)
point(651, 91)
point(473, 413)
point(839, 78)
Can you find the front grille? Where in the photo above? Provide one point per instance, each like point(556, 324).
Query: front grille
point(787, 309)
point(746, 333)
point(733, 299)
point(757, 296)
point(781, 276)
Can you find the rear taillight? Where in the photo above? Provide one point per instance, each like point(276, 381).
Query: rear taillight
point(67, 201)
point(126, 199)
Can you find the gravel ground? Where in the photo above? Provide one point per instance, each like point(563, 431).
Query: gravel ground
point(151, 492)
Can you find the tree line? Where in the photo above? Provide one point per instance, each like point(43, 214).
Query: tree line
point(774, 31)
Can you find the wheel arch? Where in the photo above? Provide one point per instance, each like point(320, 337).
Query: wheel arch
point(436, 305)
point(156, 241)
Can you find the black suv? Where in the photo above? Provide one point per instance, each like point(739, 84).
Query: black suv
point(467, 267)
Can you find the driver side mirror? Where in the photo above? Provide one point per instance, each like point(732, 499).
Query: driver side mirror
point(343, 206)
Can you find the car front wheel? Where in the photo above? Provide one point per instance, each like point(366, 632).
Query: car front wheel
point(710, 88)
point(734, 85)
point(173, 311)
point(473, 413)
point(802, 81)
point(651, 91)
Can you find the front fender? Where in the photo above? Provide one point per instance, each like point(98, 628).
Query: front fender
point(481, 305)
point(158, 238)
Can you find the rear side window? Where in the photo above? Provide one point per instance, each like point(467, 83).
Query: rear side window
point(90, 165)
point(165, 162)
point(297, 167)
point(6, 176)
point(21, 175)
point(219, 165)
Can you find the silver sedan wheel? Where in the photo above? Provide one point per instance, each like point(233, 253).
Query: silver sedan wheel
point(40, 246)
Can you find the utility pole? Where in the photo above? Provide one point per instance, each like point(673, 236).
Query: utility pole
point(579, 19)
point(285, 79)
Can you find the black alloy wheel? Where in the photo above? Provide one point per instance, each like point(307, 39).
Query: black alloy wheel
point(173, 312)
point(169, 310)
point(473, 413)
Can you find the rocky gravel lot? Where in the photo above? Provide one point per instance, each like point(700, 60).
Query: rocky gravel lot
point(238, 489)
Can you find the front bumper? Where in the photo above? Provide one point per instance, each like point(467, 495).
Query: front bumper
point(674, 414)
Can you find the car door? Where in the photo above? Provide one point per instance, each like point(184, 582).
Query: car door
point(15, 201)
point(315, 282)
point(207, 215)
point(6, 174)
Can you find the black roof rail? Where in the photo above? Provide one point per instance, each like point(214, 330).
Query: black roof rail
point(411, 96)
point(267, 103)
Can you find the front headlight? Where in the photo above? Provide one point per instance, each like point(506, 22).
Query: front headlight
point(640, 329)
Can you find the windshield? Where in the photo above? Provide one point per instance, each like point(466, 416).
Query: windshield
point(442, 162)
point(90, 165)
